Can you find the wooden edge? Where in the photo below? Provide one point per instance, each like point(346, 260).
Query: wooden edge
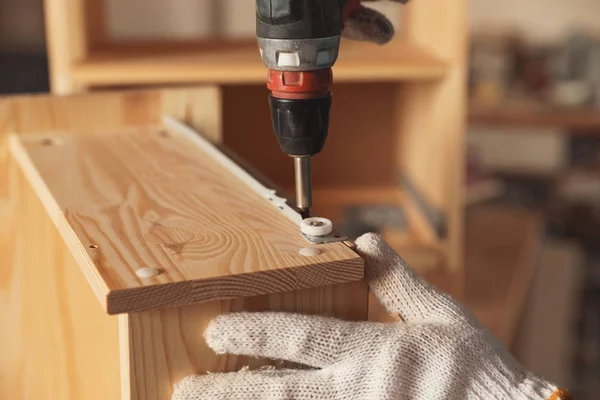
point(125, 356)
point(19, 153)
point(230, 62)
point(184, 293)
point(178, 293)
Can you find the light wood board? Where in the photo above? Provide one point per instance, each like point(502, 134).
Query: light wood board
point(53, 332)
point(61, 344)
point(166, 345)
point(56, 342)
point(140, 199)
point(239, 62)
point(199, 107)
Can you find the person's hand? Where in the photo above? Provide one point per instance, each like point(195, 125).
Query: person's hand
point(439, 352)
point(366, 24)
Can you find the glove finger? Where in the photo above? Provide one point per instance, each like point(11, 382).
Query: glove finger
point(400, 289)
point(251, 385)
point(366, 24)
point(310, 340)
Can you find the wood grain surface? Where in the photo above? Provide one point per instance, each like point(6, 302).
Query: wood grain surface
point(60, 344)
point(56, 342)
point(85, 114)
point(149, 199)
point(166, 345)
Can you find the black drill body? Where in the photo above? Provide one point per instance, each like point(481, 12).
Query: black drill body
point(300, 119)
point(298, 19)
point(299, 42)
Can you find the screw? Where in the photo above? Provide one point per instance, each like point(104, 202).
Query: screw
point(317, 223)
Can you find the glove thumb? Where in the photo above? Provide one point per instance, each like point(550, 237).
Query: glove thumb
point(400, 289)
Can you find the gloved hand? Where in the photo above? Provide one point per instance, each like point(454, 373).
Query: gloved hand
point(366, 24)
point(439, 352)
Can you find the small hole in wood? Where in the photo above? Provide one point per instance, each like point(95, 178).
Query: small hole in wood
point(93, 246)
point(51, 142)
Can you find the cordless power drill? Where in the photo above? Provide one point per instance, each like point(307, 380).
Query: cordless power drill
point(299, 42)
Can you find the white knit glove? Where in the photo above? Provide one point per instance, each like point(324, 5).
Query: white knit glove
point(439, 352)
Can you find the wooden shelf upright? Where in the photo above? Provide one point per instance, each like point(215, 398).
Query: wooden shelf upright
point(71, 178)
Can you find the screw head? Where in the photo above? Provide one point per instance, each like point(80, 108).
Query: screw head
point(317, 223)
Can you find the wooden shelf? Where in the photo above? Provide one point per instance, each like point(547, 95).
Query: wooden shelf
point(585, 120)
point(424, 256)
point(238, 63)
point(331, 202)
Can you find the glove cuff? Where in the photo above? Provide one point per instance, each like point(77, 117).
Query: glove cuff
point(561, 394)
point(535, 388)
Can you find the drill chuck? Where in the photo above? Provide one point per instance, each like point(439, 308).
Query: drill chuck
point(299, 42)
point(301, 125)
point(300, 104)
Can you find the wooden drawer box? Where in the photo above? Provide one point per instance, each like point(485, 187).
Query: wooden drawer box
point(121, 239)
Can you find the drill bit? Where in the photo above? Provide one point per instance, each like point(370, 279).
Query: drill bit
point(303, 185)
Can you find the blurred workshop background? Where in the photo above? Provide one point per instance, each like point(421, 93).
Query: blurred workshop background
point(533, 178)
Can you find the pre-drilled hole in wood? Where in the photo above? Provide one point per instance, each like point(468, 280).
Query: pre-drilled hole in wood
point(51, 142)
point(93, 246)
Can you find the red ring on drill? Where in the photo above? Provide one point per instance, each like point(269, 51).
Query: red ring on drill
point(300, 84)
point(307, 84)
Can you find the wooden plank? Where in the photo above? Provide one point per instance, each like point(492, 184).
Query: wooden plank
point(198, 107)
point(239, 62)
point(166, 345)
point(138, 199)
point(582, 121)
point(56, 341)
point(432, 115)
